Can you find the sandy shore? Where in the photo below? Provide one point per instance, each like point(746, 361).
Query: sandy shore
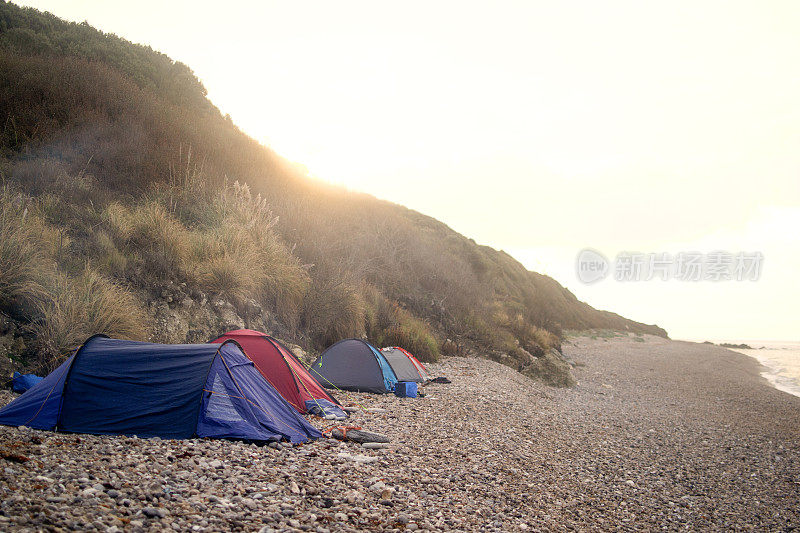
point(658, 434)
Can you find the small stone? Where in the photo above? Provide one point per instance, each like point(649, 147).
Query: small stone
point(375, 445)
point(216, 463)
point(378, 486)
point(353, 496)
point(153, 512)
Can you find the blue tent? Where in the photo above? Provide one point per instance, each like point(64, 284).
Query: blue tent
point(173, 391)
point(354, 364)
point(22, 382)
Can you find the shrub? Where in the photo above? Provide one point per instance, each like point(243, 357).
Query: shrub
point(107, 256)
point(149, 232)
point(545, 339)
point(333, 309)
point(24, 263)
point(414, 336)
point(76, 308)
point(244, 257)
point(388, 324)
point(450, 348)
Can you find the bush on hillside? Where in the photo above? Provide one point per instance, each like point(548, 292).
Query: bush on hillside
point(388, 324)
point(76, 308)
point(24, 262)
point(333, 307)
point(28, 31)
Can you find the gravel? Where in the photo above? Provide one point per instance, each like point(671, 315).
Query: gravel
point(657, 434)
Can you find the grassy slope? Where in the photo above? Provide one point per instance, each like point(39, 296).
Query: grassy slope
point(134, 178)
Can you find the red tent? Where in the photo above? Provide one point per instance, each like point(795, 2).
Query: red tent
point(285, 372)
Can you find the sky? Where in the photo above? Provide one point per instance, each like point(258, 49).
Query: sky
point(540, 128)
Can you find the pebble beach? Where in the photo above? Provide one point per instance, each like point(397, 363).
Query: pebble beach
point(658, 434)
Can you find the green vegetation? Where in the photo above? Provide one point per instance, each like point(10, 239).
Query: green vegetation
point(122, 177)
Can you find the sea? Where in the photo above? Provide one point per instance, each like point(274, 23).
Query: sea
point(781, 361)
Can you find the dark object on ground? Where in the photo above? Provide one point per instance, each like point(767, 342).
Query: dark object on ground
point(440, 379)
point(22, 382)
point(13, 457)
point(406, 389)
point(357, 435)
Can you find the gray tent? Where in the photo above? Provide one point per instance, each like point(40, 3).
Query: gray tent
point(403, 367)
point(354, 364)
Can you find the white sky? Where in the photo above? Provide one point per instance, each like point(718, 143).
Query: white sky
point(537, 127)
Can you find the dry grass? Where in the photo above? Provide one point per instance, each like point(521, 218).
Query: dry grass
point(24, 261)
point(231, 250)
point(61, 309)
point(108, 258)
point(76, 308)
point(333, 308)
point(388, 324)
point(160, 240)
point(248, 238)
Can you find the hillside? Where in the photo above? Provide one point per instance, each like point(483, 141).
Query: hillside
point(131, 205)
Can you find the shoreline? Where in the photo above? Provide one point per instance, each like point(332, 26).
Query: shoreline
point(774, 370)
point(773, 376)
point(658, 434)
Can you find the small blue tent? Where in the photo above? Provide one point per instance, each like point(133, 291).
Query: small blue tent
point(173, 391)
point(354, 364)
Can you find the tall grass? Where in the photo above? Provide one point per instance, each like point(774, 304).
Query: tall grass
point(24, 262)
point(61, 309)
point(333, 308)
point(388, 324)
point(232, 249)
point(252, 256)
point(159, 240)
point(78, 307)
